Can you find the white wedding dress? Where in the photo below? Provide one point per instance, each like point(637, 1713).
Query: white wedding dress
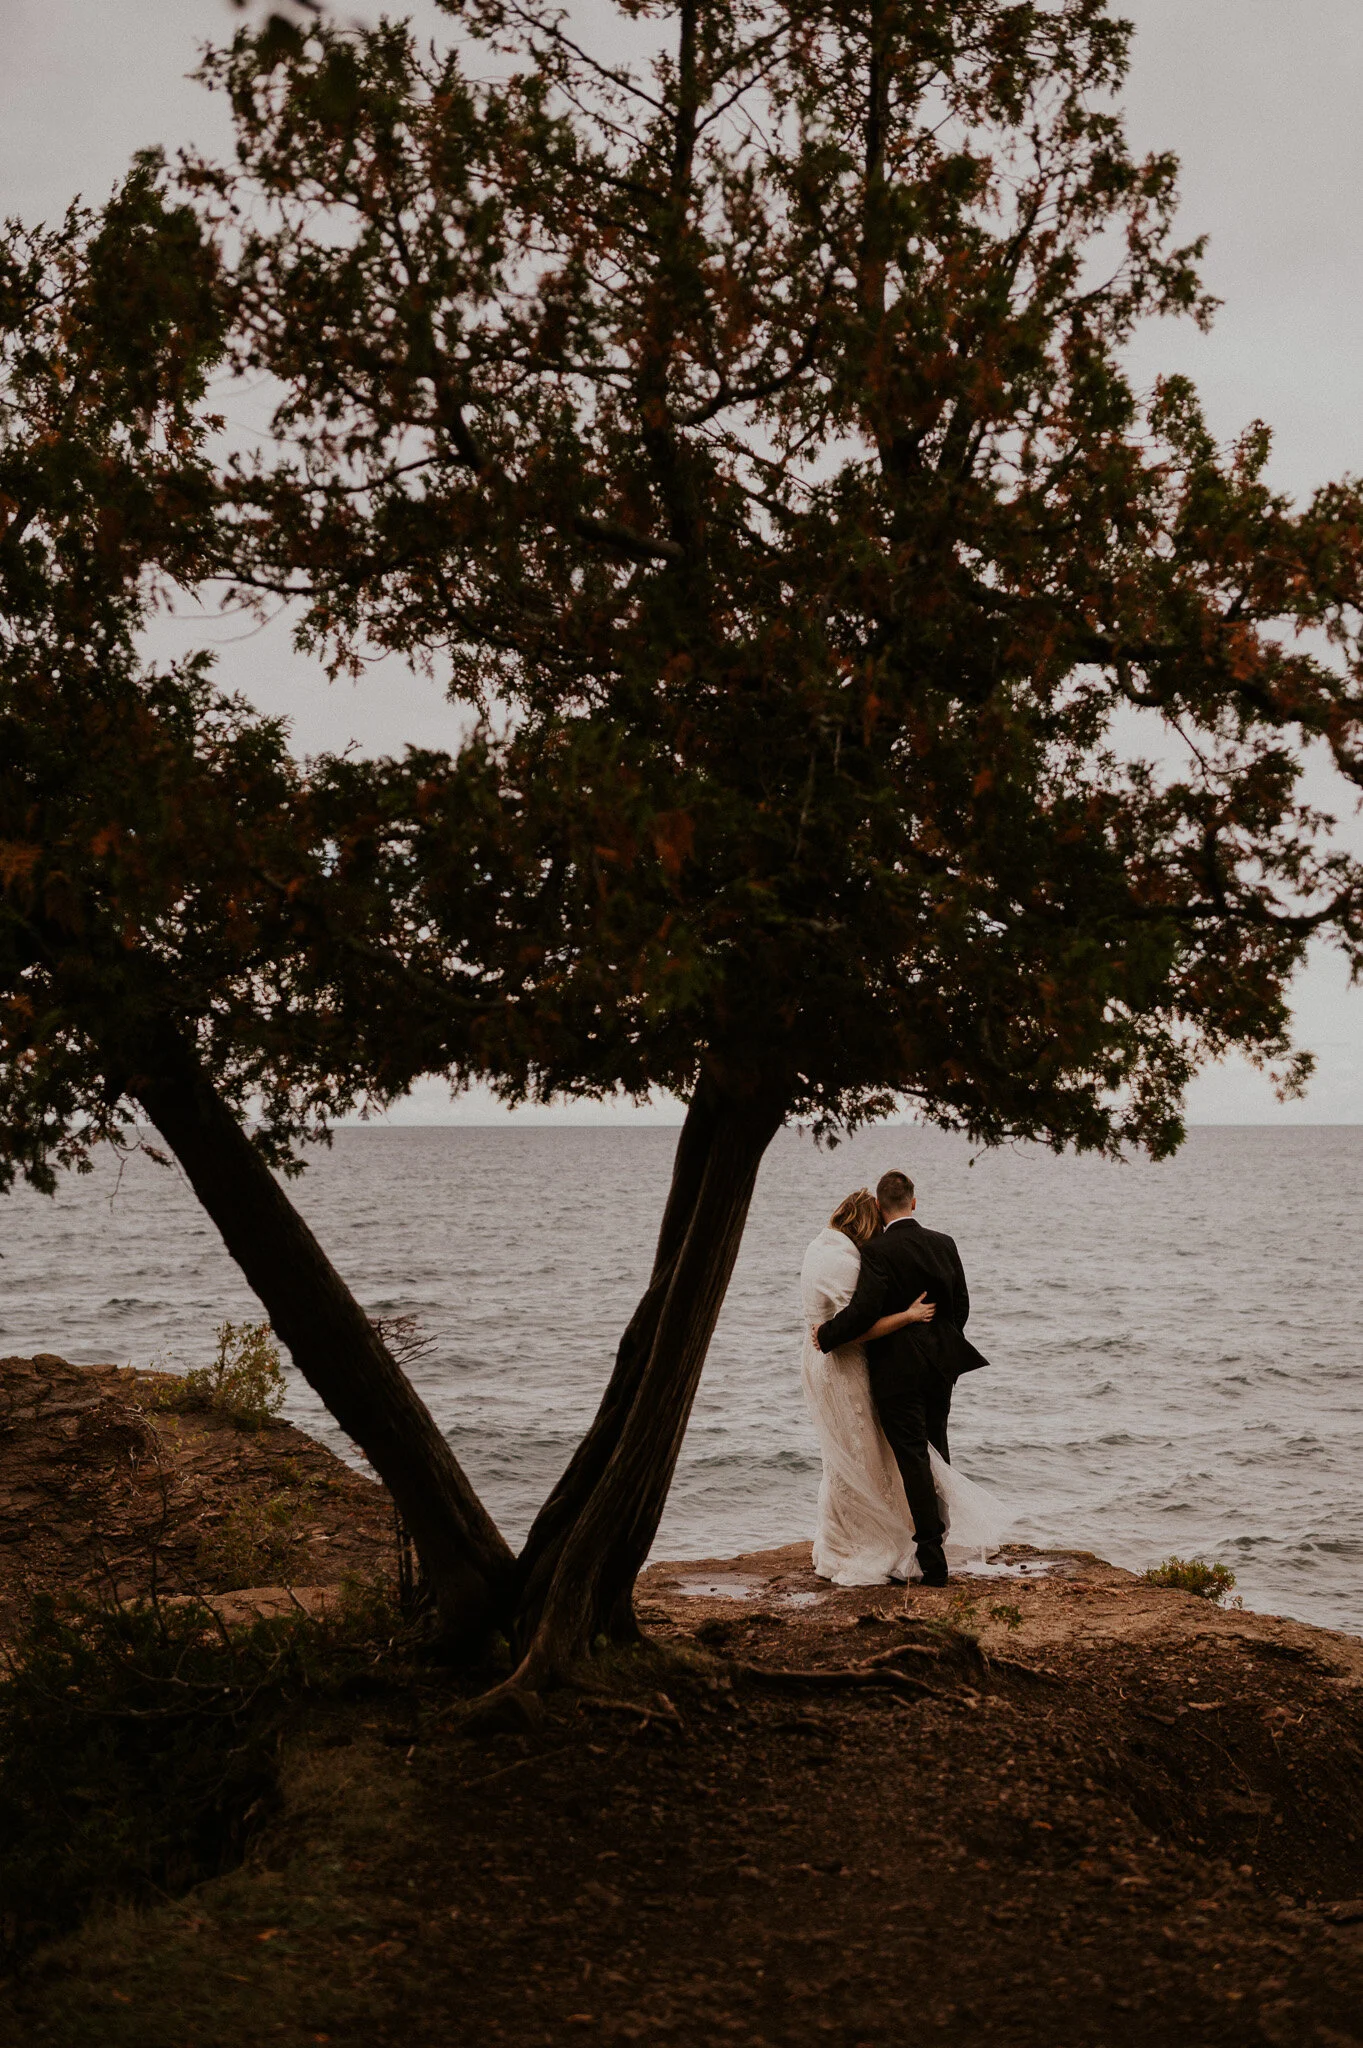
point(865, 1531)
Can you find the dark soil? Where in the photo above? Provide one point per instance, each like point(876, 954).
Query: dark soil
point(1054, 1811)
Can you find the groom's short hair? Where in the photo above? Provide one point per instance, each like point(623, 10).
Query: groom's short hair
point(894, 1190)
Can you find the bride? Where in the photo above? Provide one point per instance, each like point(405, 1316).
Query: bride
point(865, 1531)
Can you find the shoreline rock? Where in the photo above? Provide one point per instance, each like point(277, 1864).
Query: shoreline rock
point(1069, 1597)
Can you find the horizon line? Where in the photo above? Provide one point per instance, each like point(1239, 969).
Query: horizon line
point(566, 1121)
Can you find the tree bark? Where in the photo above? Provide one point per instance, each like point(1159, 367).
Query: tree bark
point(552, 1525)
point(644, 1415)
point(332, 1341)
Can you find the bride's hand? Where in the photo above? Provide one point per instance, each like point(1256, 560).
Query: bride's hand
point(922, 1311)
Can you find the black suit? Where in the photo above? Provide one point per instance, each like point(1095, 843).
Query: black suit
point(912, 1372)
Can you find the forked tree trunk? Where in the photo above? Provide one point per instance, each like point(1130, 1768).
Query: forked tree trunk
point(332, 1341)
point(599, 1557)
point(554, 1523)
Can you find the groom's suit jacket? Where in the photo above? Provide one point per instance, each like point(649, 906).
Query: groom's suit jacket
point(903, 1262)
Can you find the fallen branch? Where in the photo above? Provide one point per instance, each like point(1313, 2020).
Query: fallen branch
point(520, 1764)
point(665, 1711)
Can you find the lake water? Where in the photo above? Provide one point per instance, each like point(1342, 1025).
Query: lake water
point(1176, 1350)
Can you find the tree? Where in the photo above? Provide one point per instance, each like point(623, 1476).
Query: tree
point(154, 837)
point(770, 480)
point(751, 433)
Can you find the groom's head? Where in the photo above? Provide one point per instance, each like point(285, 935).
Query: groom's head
point(894, 1192)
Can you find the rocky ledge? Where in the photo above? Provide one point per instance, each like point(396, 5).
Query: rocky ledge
point(106, 1485)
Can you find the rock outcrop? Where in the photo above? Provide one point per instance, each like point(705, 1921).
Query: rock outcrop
point(106, 1487)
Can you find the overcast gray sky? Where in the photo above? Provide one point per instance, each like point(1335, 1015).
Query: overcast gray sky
point(1260, 100)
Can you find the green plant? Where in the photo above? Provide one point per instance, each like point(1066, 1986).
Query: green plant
point(257, 1544)
point(1008, 1613)
point(245, 1380)
point(1192, 1575)
point(958, 1629)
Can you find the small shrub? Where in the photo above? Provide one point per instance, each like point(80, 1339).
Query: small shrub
point(258, 1544)
point(1192, 1575)
point(245, 1380)
point(1008, 1614)
point(958, 1629)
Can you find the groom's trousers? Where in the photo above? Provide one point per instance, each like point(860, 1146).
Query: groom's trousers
point(913, 1402)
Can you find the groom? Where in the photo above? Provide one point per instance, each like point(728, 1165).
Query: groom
point(912, 1372)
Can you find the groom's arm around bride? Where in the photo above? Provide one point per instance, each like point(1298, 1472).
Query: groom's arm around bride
point(906, 1261)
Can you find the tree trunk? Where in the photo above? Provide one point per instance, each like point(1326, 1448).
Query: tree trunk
point(332, 1340)
point(599, 1556)
point(553, 1524)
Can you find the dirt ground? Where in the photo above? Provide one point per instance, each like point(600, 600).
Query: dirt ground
point(1056, 1809)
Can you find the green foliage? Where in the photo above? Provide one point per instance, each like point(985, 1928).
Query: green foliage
point(137, 1747)
point(958, 1629)
point(760, 434)
point(258, 1544)
point(152, 830)
point(368, 1607)
point(1193, 1575)
point(245, 1381)
point(1007, 1612)
point(759, 429)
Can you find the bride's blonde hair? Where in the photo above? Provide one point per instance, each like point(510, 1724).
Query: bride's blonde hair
point(857, 1216)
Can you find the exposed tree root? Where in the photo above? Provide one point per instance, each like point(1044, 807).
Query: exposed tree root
point(883, 1657)
point(515, 1702)
point(509, 1708)
point(1028, 1671)
point(848, 1677)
